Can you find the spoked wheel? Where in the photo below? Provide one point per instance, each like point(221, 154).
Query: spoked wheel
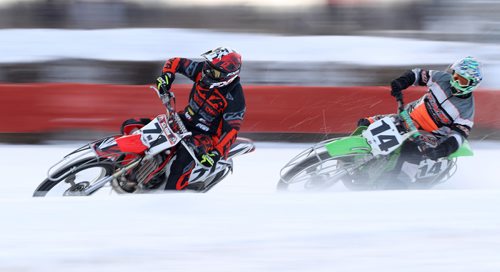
point(316, 173)
point(72, 179)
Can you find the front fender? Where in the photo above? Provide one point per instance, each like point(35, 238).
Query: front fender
point(348, 145)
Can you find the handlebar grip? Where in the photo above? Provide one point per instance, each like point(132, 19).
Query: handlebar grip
point(401, 104)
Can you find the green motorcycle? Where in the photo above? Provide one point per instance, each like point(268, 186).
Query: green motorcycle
point(366, 159)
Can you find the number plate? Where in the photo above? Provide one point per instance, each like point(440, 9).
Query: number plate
point(383, 136)
point(158, 135)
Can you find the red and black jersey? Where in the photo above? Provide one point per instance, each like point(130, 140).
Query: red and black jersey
point(213, 111)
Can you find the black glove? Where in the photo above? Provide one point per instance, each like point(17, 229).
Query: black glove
point(210, 159)
point(444, 149)
point(397, 89)
point(401, 83)
point(363, 122)
point(165, 82)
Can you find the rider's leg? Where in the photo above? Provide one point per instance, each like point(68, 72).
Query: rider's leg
point(406, 167)
point(180, 171)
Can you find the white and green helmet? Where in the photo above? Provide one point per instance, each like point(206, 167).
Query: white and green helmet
point(470, 69)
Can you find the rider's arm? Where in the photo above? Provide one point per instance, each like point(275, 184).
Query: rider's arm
point(422, 76)
point(231, 121)
point(184, 66)
point(414, 77)
point(404, 81)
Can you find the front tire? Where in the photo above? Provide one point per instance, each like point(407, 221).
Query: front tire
point(73, 178)
point(316, 173)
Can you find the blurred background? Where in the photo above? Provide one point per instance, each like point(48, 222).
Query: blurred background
point(283, 42)
point(469, 21)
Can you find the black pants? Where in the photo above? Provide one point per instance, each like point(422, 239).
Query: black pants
point(410, 154)
point(181, 168)
point(180, 171)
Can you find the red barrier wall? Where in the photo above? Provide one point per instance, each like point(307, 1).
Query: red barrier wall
point(47, 107)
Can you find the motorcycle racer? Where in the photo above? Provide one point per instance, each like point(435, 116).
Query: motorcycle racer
point(214, 113)
point(446, 110)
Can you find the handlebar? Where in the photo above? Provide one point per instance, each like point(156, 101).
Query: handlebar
point(167, 98)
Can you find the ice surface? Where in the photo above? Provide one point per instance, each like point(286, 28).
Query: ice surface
point(244, 225)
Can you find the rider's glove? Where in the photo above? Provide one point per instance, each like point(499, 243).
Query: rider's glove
point(165, 82)
point(397, 89)
point(364, 122)
point(444, 149)
point(401, 83)
point(210, 159)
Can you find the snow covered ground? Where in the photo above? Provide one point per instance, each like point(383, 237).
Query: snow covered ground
point(244, 225)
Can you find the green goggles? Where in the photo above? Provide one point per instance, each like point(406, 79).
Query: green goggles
point(461, 84)
point(461, 81)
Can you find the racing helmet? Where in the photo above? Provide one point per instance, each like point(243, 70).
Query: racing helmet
point(222, 66)
point(466, 75)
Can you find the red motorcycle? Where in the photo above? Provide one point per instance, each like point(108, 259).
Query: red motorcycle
point(136, 163)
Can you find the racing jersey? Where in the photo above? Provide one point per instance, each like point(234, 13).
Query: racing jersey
point(439, 111)
point(217, 111)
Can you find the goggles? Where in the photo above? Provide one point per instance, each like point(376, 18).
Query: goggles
point(461, 81)
point(213, 73)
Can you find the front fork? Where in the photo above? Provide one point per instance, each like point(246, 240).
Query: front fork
point(100, 183)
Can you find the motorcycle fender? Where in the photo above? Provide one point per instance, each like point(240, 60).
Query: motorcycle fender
point(348, 145)
point(131, 143)
point(463, 150)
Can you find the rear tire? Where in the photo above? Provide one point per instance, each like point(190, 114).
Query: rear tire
point(85, 172)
